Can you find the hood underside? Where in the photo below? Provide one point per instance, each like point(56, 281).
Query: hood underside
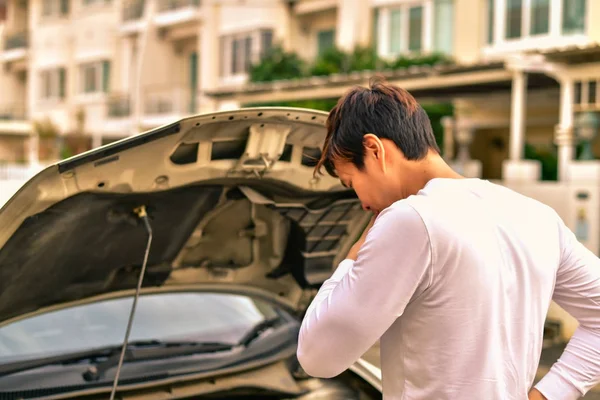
point(256, 217)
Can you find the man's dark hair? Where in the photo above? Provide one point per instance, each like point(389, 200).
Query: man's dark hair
point(384, 110)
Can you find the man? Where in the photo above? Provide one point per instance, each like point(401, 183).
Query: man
point(454, 275)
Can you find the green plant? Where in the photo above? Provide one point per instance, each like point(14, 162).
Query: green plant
point(45, 128)
point(436, 112)
point(419, 59)
point(277, 64)
point(365, 58)
point(547, 156)
point(332, 61)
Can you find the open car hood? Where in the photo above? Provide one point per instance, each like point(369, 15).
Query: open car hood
point(231, 200)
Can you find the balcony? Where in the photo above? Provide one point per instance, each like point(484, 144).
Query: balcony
point(133, 13)
point(118, 122)
point(163, 105)
point(119, 106)
point(15, 46)
point(173, 13)
point(13, 112)
point(13, 119)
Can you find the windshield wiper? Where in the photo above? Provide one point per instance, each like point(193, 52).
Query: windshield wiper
point(258, 330)
point(153, 349)
point(136, 350)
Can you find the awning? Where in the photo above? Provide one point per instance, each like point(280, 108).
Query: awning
point(572, 54)
point(437, 81)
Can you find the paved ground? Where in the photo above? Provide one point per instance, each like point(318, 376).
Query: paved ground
point(549, 356)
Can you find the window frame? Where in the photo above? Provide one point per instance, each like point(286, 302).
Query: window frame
point(321, 35)
point(384, 28)
point(54, 9)
point(249, 48)
point(52, 85)
point(555, 35)
point(101, 78)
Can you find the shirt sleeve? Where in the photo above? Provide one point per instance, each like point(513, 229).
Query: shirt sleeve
point(362, 299)
point(577, 291)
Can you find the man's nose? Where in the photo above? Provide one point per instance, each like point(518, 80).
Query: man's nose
point(366, 207)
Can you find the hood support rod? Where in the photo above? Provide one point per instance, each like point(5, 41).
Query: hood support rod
point(141, 213)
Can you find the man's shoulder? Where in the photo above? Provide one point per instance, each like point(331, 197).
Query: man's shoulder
point(401, 213)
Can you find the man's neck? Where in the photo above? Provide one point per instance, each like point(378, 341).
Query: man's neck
point(432, 167)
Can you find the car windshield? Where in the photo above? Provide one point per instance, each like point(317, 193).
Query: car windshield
point(195, 316)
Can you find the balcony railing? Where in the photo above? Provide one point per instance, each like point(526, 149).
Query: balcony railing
point(16, 40)
point(13, 112)
point(168, 100)
point(171, 5)
point(133, 10)
point(119, 106)
point(14, 171)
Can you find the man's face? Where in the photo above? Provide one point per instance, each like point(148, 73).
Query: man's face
point(369, 185)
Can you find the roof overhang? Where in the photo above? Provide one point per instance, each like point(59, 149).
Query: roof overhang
point(573, 54)
point(422, 81)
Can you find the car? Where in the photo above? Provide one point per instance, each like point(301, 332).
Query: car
point(176, 264)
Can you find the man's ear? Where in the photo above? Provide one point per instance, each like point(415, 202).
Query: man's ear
point(374, 148)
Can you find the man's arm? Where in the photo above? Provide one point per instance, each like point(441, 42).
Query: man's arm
point(577, 290)
point(362, 299)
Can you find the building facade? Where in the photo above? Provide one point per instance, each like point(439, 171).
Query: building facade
point(94, 71)
point(523, 72)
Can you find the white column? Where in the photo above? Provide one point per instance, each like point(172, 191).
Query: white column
point(209, 56)
point(564, 130)
point(428, 26)
point(515, 168)
point(556, 13)
point(517, 117)
point(499, 21)
point(383, 37)
point(127, 76)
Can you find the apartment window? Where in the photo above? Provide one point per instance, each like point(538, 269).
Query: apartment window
point(396, 32)
point(491, 4)
point(325, 41)
point(592, 92)
point(266, 42)
point(444, 26)
point(95, 77)
point(531, 18)
point(573, 16)
point(415, 29)
point(514, 15)
point(55, 8)
point(241, 55)
point(540, 17)
point(375, 27)
point(404, 27)
point(240, 51)
point(53, 83)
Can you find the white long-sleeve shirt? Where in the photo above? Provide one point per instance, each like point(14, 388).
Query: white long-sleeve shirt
point(457, 281)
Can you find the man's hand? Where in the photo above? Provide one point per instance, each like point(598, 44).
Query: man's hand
point(353, 253)
point(535, 394)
